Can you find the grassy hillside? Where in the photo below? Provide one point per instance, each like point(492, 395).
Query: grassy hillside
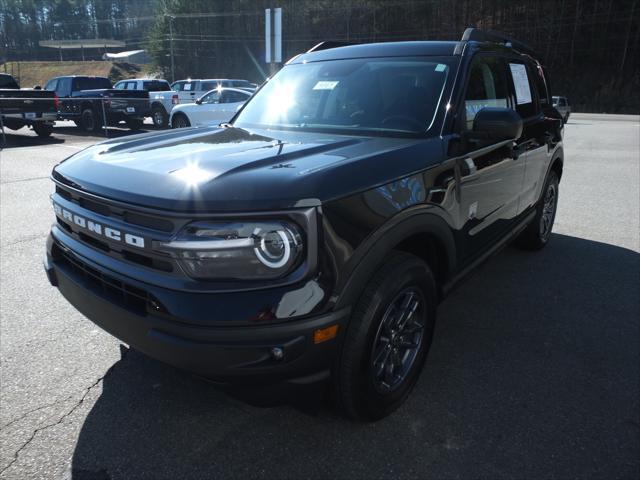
point(37, 73)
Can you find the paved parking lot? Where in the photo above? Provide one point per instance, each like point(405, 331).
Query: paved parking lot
point(534, 371)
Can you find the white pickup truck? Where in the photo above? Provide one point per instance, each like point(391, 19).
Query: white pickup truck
point(161, 97)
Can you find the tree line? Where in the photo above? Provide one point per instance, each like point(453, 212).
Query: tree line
point(589, 46)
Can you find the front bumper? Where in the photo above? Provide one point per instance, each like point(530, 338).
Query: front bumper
point(235, 355)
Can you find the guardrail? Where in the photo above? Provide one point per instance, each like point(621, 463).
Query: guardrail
point(102, 101)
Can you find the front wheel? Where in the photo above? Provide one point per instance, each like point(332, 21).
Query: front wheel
point(538, 232)
point(387, 340)
point(180, 120)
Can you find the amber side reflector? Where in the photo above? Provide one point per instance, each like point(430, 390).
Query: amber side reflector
point(324, 334)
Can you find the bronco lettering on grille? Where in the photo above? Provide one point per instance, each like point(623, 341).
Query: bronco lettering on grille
point(99, 229)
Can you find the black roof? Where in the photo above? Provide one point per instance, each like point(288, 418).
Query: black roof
point(387, 49)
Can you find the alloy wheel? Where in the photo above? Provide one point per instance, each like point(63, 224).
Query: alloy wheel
point(398, 340)
point(548, 211)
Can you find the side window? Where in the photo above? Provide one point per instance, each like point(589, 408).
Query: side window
point(177, 86)
point(119, 86)
point(487, 87)
point(541, 84)
point(206, 86)
point(232, 97)
point(526, 103)
point(51, 85)
point(64, 87)
point(212, 97)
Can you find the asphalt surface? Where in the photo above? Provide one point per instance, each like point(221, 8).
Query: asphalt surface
point(534, 370)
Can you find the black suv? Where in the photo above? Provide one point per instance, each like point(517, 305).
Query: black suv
point(312, 237)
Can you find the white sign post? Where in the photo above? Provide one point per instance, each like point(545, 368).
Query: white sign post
point(273, 37)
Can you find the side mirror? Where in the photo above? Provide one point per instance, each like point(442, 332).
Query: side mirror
point(37, 87)
point(497, 124)
point(199, 101)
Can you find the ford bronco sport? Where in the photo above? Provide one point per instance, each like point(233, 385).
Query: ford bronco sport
point(312, 237)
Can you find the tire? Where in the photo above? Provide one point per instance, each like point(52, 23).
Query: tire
point(538, 232)
point(362, 387)
point(180, 120)
point(43, 130)
point(159, 117)
point(134, 123)
point(89, 120)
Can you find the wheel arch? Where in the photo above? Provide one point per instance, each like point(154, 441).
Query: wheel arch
point(426, 235)
point(157, 104)
point(557, 163)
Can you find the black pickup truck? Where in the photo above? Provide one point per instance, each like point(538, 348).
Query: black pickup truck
point(92, 102)
point(311, 238)
point(22, 107)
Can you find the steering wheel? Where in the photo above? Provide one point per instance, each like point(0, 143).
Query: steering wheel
point(404, 118)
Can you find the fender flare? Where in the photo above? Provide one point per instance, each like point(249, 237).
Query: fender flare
point(369, 255)
point(158, 103)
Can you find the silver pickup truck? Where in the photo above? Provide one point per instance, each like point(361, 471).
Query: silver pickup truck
point(161, 97)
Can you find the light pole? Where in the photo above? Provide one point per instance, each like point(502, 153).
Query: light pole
point(173, 68)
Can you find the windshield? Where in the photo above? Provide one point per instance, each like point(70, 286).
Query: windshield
point(371, 94)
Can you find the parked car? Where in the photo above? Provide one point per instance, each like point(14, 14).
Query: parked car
point(92, 102)
point(312, 238)
point(215, 106)
point(26, 107)
point(192, 89)
point(161, 97)
point(562, 105)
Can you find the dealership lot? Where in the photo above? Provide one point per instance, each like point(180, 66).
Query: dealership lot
point(533, 372)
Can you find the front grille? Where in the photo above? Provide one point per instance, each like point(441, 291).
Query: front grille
point(106, 210)
point(120, 293)
point(156, 227)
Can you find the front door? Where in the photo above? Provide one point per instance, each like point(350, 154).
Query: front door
point(491, 174)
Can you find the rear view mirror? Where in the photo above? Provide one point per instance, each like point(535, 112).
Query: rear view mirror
point(497, 124)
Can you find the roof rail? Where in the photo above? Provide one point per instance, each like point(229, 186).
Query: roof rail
point(328, 45)
point(477, 35)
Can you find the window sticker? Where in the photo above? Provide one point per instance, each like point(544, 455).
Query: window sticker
point(441, 67)
point(187, 86)
point(325, 85)
point(521, 82)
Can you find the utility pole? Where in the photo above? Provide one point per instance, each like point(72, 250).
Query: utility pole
point(173, 67)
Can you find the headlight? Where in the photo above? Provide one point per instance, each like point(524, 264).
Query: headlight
point(239, 250)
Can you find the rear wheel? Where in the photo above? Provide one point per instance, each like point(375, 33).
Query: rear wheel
point(180, 120)
point(134, 123)
point(387, 340)
point(89, 120)
point(43, 130)
point(538, 232)
point(159, 116)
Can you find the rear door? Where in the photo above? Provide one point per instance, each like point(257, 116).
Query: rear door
point(529, 90)
point(491, 176)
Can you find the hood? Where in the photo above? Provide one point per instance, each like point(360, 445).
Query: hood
point(232, 169)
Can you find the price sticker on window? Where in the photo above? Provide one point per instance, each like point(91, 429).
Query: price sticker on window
point(521, 83)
